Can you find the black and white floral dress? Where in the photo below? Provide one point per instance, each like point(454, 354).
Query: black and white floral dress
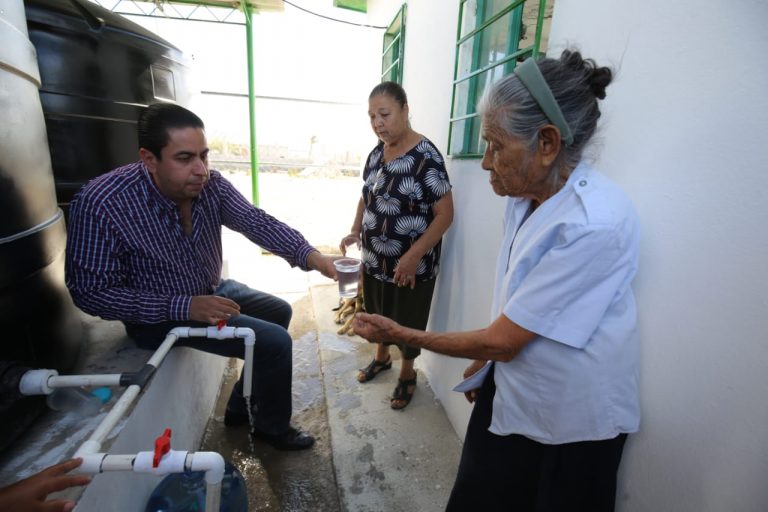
point(398, 196)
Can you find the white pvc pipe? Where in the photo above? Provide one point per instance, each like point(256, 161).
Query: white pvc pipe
point(172, 462)
point(44, 381)
point(117, 463)
point(69, 381)
point(165, 347)
point(213, 465)
point(93, 444)
point(212, 496)
point(249, 341)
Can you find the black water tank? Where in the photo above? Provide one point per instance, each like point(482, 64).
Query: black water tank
point(75, 83)
point(40, 325)
point(98, 71)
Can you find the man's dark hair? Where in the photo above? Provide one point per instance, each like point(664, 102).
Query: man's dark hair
point(157, 119)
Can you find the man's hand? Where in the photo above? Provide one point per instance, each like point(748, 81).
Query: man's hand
point(29, 495)
point(375, 328)
point(210, 309)
point(323, 264)
point(472, 369)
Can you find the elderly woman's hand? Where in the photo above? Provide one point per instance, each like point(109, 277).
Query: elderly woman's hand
point(375, 328)
point(405, 272)
point(472, 369)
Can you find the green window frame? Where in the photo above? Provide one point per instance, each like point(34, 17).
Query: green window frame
point(488, 47)
point(394, 48)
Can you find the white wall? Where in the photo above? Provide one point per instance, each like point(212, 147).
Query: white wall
point(683, 133)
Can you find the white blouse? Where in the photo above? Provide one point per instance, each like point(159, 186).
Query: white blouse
point(566, 274)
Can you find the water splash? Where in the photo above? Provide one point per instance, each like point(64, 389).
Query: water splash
point(250, 411)
point(251, 422)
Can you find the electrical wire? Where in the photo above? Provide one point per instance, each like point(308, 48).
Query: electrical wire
point(332, 19)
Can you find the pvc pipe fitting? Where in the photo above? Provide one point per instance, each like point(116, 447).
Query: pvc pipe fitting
point(90, 447)
point(210, 462)
point(224, 333)
point(171, 462)
point(249, 337)
point(91, 463)
point(181, 332)
point(35, 382)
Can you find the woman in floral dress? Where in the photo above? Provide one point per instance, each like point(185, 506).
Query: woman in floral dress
point(405, 208)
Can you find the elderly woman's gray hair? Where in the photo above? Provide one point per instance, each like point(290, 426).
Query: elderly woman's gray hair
point(576, 84)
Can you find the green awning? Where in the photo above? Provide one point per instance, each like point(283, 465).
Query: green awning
point(354, 5)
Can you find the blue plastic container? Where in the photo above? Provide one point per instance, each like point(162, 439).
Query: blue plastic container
point(185, 492)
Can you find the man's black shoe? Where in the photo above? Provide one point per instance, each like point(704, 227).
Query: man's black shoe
point(291, 439)
point(235, 418)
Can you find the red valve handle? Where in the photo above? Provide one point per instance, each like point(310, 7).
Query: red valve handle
point(162, 446)
point(221, 323)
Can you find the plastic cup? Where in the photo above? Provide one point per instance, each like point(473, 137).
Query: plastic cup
point(348, 272)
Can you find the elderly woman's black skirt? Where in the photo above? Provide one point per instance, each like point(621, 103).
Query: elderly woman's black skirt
point(514, 473)
point(407, 307)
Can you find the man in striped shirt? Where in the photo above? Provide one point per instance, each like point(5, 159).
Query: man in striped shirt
point(144, 247)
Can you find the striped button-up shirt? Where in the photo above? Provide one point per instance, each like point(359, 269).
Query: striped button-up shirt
point(129, 259)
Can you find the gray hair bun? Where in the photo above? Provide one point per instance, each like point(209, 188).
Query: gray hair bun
point(598, 78)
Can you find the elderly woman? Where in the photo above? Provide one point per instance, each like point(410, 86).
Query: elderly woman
point(555, 403)
point(405, 208)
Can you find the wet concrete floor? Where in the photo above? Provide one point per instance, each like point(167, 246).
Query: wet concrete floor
point(367, 457)
point(277, 480)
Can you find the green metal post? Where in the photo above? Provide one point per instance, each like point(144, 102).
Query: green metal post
point(539, 27)
point(248, 10)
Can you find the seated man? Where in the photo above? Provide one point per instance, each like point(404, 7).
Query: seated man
point(144, 247)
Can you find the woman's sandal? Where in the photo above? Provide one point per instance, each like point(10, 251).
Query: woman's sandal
point(373, 369)
point(401, 397)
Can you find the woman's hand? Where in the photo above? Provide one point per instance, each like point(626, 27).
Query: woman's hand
point(472, 369)
point(375, 328)
point(405, 271)
point(30, 494)
point(352, 238)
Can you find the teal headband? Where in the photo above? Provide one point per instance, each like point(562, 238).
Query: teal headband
point(530, 75)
